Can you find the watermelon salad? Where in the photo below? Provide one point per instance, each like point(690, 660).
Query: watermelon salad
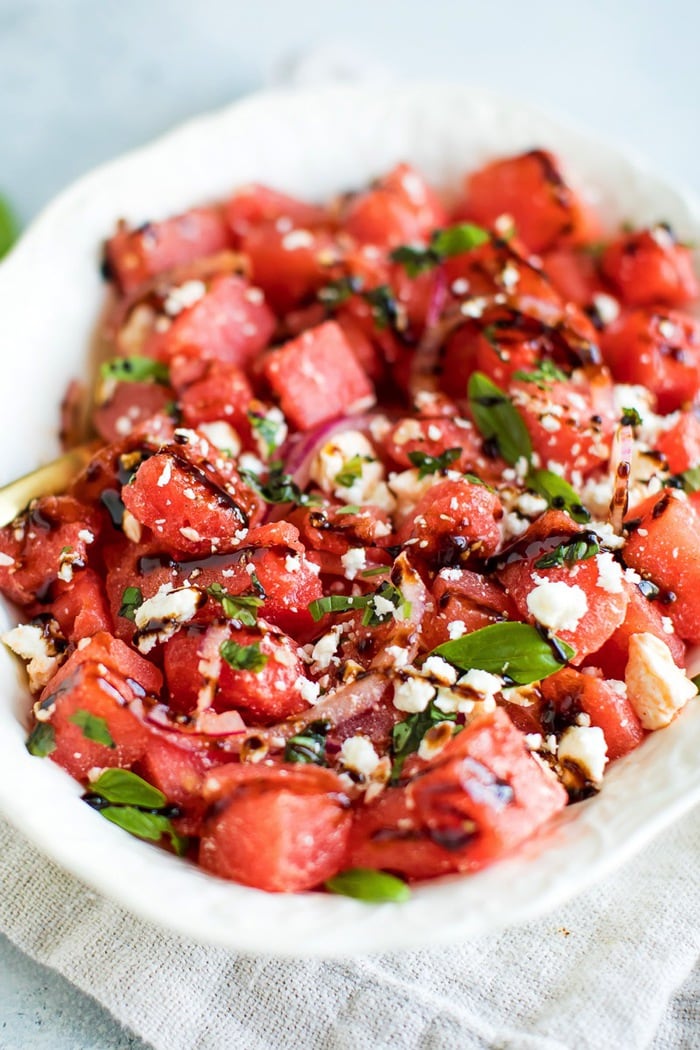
point(389, 542)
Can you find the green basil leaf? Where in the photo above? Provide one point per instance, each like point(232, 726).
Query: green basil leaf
point(373, 617)
point(558, 493)
point(149, 826)
point(132, 599)
point(241, 607)
point(433, 464)
point(310, 746)
point(9, 228)
point(631, 418)
point(414, 258)
point(498, 419)
point(517, 651)
point(454, 240)
point(121, 786)
point(364, 884)
point(580, 548)
point(94, 728)
point(406, 736)
point(689, 480)
point(135, 370)
point(378, 570)
point(42, 740)
point(351, 508)
point(243, 657)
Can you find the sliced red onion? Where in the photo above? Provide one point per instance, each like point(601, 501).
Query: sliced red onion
point(298, 453)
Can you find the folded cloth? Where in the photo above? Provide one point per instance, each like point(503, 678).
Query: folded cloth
point(598, 973)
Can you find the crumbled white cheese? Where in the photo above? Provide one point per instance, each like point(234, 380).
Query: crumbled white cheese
point(609, 573)
point(184, 296)
point(584, 747)
point(29, 643)
point(368, 487)
point(456, 629)
point(308, 690)
point(656, 687)
point(353, 561)
point(557, 605)
point(222, 435)
point(436, 667)
point(297, 239)
point(482, 682)
point(606, 307)
point(531, 505)
point(292, 562)
point(325, 649)
point(168, 609)
point(413, 695)
point(359, 755)
point(397, 656)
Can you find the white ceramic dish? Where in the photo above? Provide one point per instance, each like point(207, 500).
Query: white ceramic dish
point(313, 143)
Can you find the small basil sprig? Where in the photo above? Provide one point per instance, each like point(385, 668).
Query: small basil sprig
point(271, 431)
point(132, 599)
point(94, 728)
point(433, 464)
point(542, 376)
point(406, 736)
point(135, 370)
point(9, 229)
point(241, 607)
point(516, 651)
point(366, 884)
point(42, 740)
point(350, 471)
point(310, 746)
point(580, 548)
point(279, 487)
point(133, 804)
point(453, 240)
point(243, 657)
point(498, 419)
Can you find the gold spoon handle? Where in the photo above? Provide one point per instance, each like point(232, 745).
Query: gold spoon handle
point(49, 480)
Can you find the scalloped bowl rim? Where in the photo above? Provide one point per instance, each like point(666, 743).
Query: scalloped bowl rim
point(57, 258)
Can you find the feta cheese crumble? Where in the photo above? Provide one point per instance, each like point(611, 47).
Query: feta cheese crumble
point(557, 605)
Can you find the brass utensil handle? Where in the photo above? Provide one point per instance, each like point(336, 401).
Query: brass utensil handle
point(49, 480)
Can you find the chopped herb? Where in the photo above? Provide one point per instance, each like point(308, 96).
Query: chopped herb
point(517, 651)
point(379, 570)
point(132, 599)
point(453, 240)
point(279, 487)
point(42, 740)
point(66, 550)
point(474, 480)
point(9, 230)
point(631, 418)
point(270, 430)
point(580, 548)
point(433, 464)
point(338, 292)
point(241, 607)
point(351, 508)
point(497, 419)
point(331, 603)
point(351, 471)
point(243, 657)
point(94, 728)
point(406, 736)
point(125, 788)
point(365, 884)
point(542, 376)
point(385, 309)
point(696, 681)
point(558, 493)
point(310, 746)
point(135, 370)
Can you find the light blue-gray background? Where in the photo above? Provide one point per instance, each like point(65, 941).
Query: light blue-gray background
point(82, 80)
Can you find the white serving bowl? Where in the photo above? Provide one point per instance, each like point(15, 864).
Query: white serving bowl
point(312, 143)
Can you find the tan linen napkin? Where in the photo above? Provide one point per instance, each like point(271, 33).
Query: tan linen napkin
point(598, 973)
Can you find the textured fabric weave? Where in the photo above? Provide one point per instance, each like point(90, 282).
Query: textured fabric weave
point(599, 973)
